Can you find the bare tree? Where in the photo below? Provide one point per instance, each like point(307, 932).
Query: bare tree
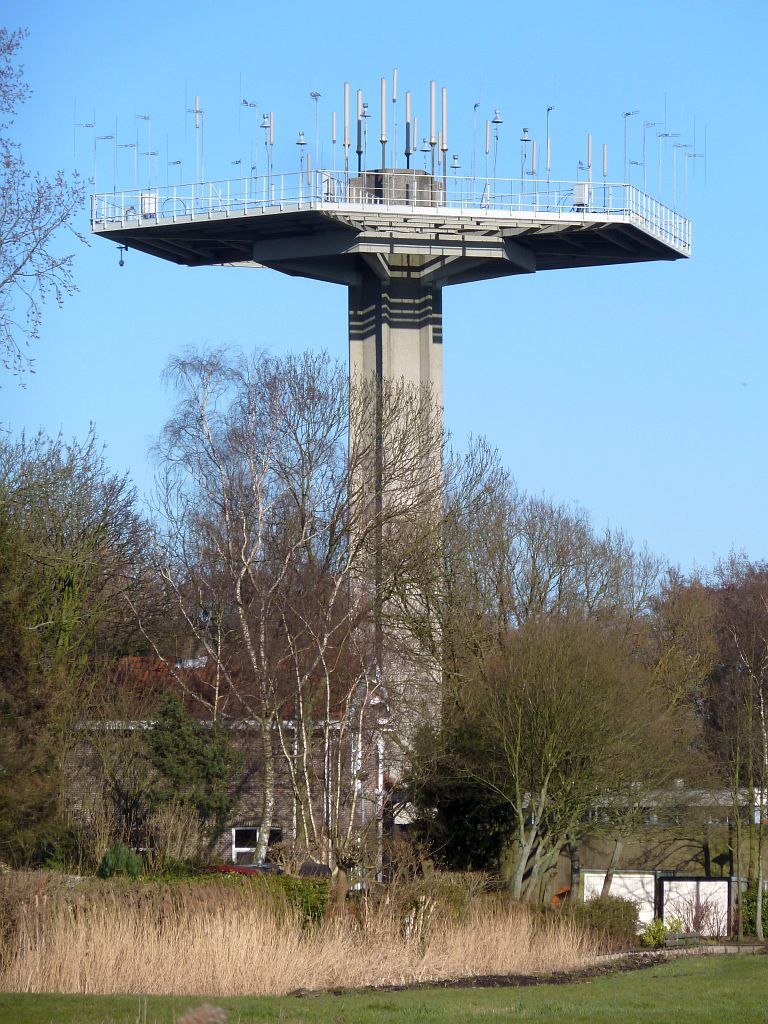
point(286, 540)
point(34, 210)
point(548, 699)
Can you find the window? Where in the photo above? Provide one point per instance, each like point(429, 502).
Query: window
point(245, 839)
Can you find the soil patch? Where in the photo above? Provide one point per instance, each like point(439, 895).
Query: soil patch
point(614, 964)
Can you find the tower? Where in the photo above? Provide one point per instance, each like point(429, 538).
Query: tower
point(396, 237)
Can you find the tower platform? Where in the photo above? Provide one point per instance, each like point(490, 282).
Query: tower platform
point(395, 238)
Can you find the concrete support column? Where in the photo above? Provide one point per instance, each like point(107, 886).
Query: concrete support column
point(396, 330)
point(396, 333)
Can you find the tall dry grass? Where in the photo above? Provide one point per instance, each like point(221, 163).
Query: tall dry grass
point(121, 943)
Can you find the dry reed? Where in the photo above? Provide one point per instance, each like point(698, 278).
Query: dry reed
point(119, 943)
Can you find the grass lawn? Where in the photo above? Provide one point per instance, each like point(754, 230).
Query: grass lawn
point(691, 990)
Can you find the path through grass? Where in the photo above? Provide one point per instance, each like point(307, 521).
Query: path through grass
point(692, 990)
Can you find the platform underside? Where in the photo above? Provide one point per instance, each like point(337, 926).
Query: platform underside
point(344, 244)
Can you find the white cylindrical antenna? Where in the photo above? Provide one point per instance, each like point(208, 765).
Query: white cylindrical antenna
point(533, 159)
point(589, 155)
point(383, 138)
point(444, 99)
point(432, 136)
point(605, 160)
point(346, 120)
point(487, 137)
point(394, 117)
point(271, 128)
point(333, 127)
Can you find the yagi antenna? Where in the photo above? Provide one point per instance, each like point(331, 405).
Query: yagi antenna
point(199, 113)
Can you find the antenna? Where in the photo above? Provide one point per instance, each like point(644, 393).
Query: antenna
point(475, 108)
point(549, 149)
point(497, 121)
point(675, 147)
point(365, 116)
point(646, 126)
point(425, 150)
point(394, 118)
point(113, 140)
point(92, 126)
point(148, 152)
point(135, 148)
point(626, 115)
point(199, 113)
point(316, 97)
point(661, 136)
point(383, 137)
point(359, 150)
point(267, 124)
point(180, 165)
point(346, 129)
point(444, 133)
point(524, 141)
point(252, 105)
point(301, 142)
point(432, 137)
point(407, 130)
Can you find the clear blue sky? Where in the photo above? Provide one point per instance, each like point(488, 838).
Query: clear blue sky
point(638, 392)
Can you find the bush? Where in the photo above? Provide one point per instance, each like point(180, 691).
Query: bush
point(120, 860)
point(307, 895)
point(612, 917)
point(749, 912)
point(654, 934)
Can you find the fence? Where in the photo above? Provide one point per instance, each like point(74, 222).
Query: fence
point(398, 192)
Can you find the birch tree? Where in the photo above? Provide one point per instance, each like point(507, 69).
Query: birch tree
point(285, 539)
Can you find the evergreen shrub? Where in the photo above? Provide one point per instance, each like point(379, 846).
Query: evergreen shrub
point(120, 860)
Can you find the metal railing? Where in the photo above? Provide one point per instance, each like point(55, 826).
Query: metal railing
point(392, 191)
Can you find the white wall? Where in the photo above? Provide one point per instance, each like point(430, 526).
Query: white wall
point(638, 886)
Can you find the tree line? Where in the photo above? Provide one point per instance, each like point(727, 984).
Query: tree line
point(339, 575)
